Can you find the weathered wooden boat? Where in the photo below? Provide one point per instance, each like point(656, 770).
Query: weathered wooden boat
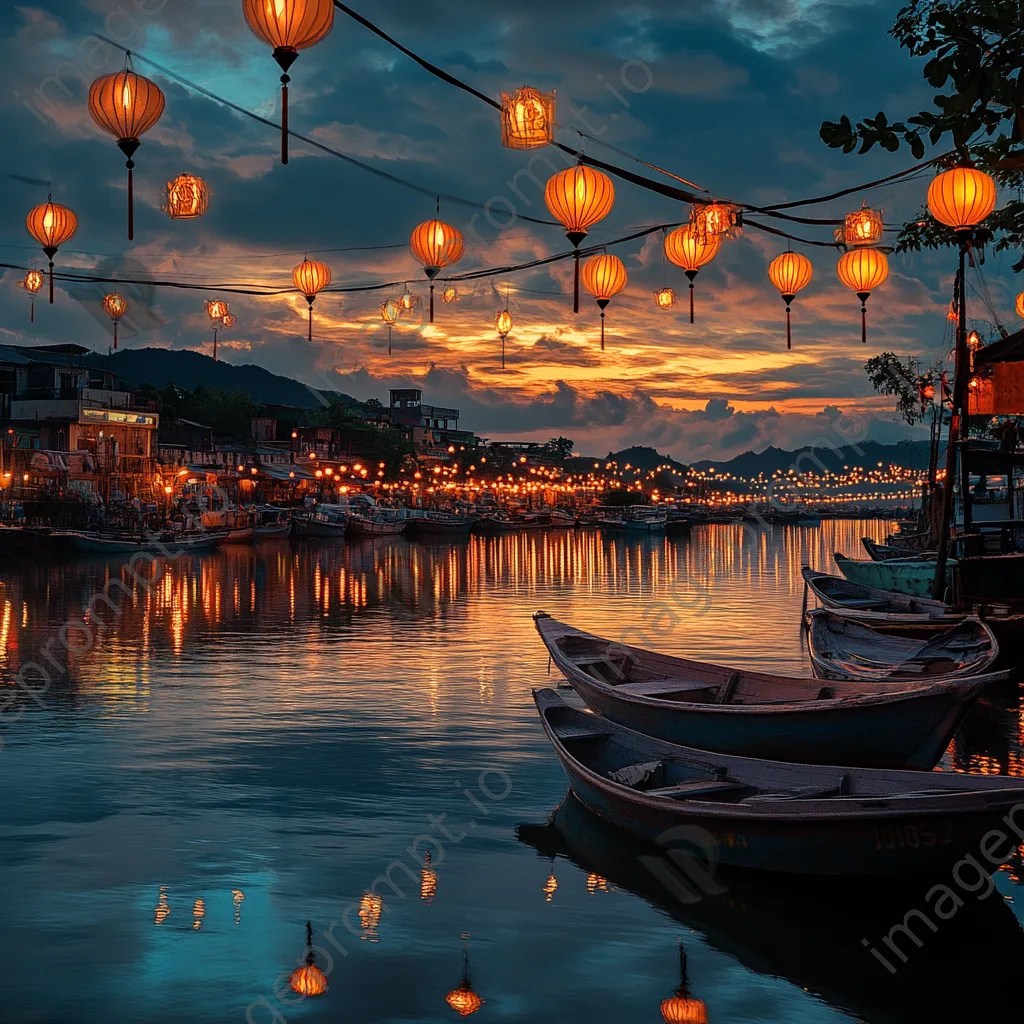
point(806, 819)
point(645, 522)
point(96, 542)
point(498, 525)
point(753, 714)
point(852, 651)
point(562, 520)
point(912, 576)
point(856, 598)
point(442, 524)
point(883, 552)
point(808, 931)
point(360, 526)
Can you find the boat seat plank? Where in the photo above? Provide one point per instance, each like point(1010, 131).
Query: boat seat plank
point(581, 732)
point(656, 687)
point(838, 787)
point(867, 603)
point(691, 790)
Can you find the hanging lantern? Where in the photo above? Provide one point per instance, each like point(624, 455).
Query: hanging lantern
point(863, 227)
point(682, 1008)
point(578, 198)
point(951, 314)
point(962, 197)
point(450, 295)
point(408, 301)
point(187, 197)
point(714, 220)
point(288, 26)
point(390, 311)
point(51, 225)
point(216, 310)
point(126, 105)
point(463, 1000)
point(229, 320)
point(686, 250)
point(308, 980)
point(973, 344)
point(1020, 305)
point(527, 118)
point(436, 245)
point(311, 278)
point(115, 306)
point(928, 391)
point(604, 277)
point(32, 283)
point(862, 271)
point(789, 273)
point(503, 325)
point(665, 298)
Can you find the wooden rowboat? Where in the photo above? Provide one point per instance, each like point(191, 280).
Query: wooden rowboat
point(913, 576)
point(884, 552)
point(856, 598)
point(753, 714)
point(841, 649)
point(773, 815)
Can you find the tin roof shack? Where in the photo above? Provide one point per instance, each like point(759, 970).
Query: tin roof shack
point(62, 398)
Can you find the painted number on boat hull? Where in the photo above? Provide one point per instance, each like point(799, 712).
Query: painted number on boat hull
point(913, 837)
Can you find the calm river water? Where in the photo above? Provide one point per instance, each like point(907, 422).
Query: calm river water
point(256, 737)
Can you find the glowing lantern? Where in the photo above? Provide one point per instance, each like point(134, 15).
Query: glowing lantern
point(51, 225)
point(685, 249)
point(187, 197)
point(229, 320)
point(862, 271)
point(578, 198)
point(236, 899)
point(450, 295)
point(390, 311)
point(428, 878)
point(713, 220)
point(1020, 305)
point(503, 325)
point(665, 298)
point(463, 1000)
point(199, 907)
point(163, 908)
point(962, 197)
point(115, 306)
point(308, 980)
point(973, 344)
point(371, 906)
point(550, 887)
point(527, 118)
point(436, 245)
point(863, 226)
point(216, 310)
point(311, 278)
point(126, 105)
point(928, 391)
point(789, 273)
point(32, 283)
point(604, 277)
point(408, 301)
point(288, 26)
point(682, 1008)
point(952, 315)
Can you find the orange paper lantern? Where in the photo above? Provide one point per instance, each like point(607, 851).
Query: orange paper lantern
point(115, 306)
point(962, 197)
point(288, 26)
point(789, 273)
point(578, 198)
point(862, 271)
point(51, 225)
point(390, 311)
point(32, 283)
point(604, 277)
point(687, 249)
point(311, 278)
point(436, 245)
point(126, 105)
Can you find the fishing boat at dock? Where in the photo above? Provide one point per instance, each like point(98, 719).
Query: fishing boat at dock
point(912, 576)
point(754, 714)
point(375, 525)
point(95, 542)
point(769, 815)
point(442, 524)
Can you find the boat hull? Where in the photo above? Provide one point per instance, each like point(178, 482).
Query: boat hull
point(915, 578)
point(360, 528)
point(319, 530)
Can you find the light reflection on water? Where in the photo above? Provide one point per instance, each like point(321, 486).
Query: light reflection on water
point(282, 723)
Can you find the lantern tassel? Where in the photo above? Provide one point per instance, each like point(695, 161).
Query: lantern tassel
point(389, 339)
point(51, 282)
point(864, 325)
point(431, 301)
point(310, 321)
point(503, 351)
point(215, 344)
point(32, 312)
point(602, 330)
point(576, 283)
point(691, 302)
point(285, 79)
point(115, 335)
point(130, 164)
point(789, 332)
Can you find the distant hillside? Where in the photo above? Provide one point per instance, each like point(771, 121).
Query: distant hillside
point(161, 366)
point(637, 458)
point(910, 454)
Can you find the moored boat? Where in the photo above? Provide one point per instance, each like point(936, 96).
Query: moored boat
point(913, 576)
point(96, 542)
point(754, 714)
point(375, 526)
point(442, 524)
point(773, 815)
point(883, 552)
point(851, 651)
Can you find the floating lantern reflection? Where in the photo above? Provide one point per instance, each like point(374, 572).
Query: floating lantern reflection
point(527, 118)
point(685, 249)
point(187, 197)
point(436, 245)
point(115, 306)
point(862, 271)
point(682, 1008)
point(604, 277)
point(463, 1000)
point(578, 198)
point(51, 225)
point(789, 273)
point(311, 278)
point(308, 980)
point(371, 906)
point(428, 880)
point(32, 283)
point(288, 26)
point(163, 908)
point(126, 105)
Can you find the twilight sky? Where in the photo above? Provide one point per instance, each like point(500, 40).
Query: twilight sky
point(726, 93)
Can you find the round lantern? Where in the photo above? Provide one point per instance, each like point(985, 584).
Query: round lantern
point(450, 295)
point(311, 278)
point(789, 273)
point(51, 225)
point(503, 325)
point(682, 1008)
point(463, 1000)
point(187, 197)
point(217, 311)
point(229, 320)
point(686, 249)
point(390, 311)
point(862, 271)
point(527, 118)
point(32, 283)
point(288, 26)
point(1020, 305)
point(126, 105)
point(408, 301)
point(604, 277)
point(436, 245)
point(863, 227)
point(115, 306)
point(578, 198)
point(962, 197)
point(308, 980)
point(665, 298)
